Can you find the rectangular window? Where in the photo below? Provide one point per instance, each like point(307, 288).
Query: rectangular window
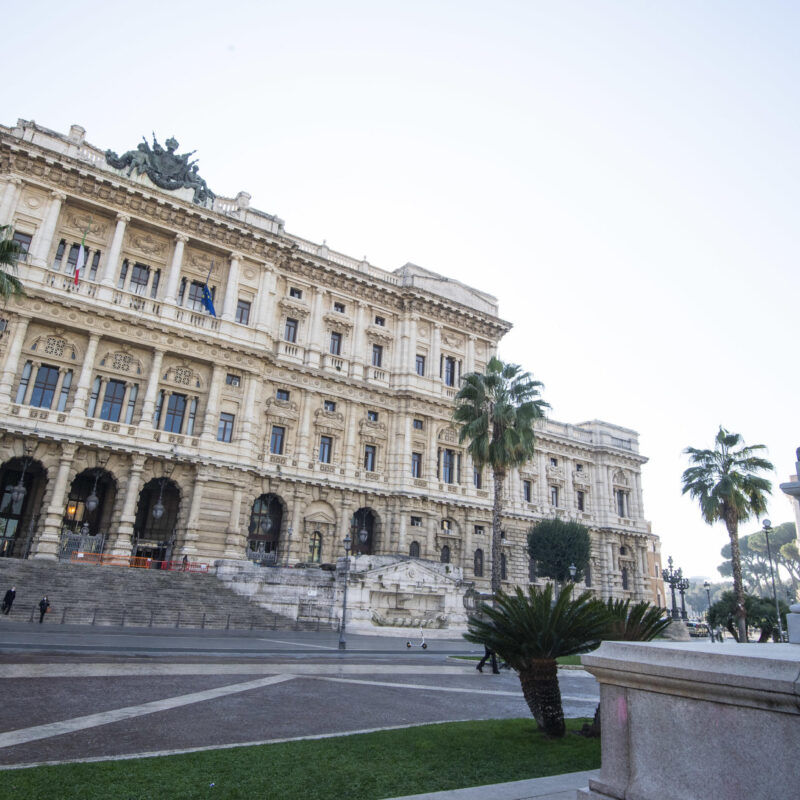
point(554, 496)
point(123, 274)
point(372, 416)
point(336, 344)
point(93, 398)
point(182, 291)
point(72, 259)
point(59, 255)
point(377, 355)
point(621, 503)
point(195, 301)
point(290, 330)
point(44, 387)
point(526, 491)
point(23, 382)
point(24, 242)
point(95, 264)
point(276, 440)
point(416, 522)
point(580, 498)
point(380, 321)
point(338, 308)
point(325, 449)
point(157, 410)
point(176, 409)
point(233, 380)
point(418, 425)
point(329, 406)
point(448, 466)
point(243, 312)
point(111, 408)
point(579, 468)
point(225, 427)
point(420, 365)
point(154, 285)
point(192, 415)
point(296, 293)
point(553, 462)
point(477, 478)
point(479, 530)
point(416, 465)
point(65, 384)
point(449, 371)
point(369, 458)
point(140, 275)
point(131, 403)
point(283, 395)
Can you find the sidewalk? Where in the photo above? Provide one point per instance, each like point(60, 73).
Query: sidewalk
point(556, 787)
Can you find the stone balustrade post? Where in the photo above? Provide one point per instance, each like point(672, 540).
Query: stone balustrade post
point(12, 359)
point(232, 288)
point(121, 546)
point(148, 405)
point(85, 380)
point(174, 276)
point(43, 239)
point(112, 258)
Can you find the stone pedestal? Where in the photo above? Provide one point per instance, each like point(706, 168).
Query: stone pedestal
point(697, 721)
point(793, 623)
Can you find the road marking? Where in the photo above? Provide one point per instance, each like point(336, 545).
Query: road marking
point(298, 644)
point(24, 735)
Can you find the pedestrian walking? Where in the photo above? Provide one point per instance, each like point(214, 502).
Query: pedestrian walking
point(185, 563)
point(487, 654)
point(8, 600)
point(44, 607)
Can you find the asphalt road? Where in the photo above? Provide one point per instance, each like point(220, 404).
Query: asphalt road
point(80, 693)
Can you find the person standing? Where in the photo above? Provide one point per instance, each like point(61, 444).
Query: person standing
point(44, 607)
point(8, 600)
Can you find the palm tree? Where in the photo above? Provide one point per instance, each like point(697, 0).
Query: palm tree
point(9, 253)
point(497, 410)
point(725, 483)
point(529, 632)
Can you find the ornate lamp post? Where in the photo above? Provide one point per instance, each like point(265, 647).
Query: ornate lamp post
point(767, 529)
point(363, 534)
point(707, 587)
point(683, 587)
point(675, 579)
point(572, 570)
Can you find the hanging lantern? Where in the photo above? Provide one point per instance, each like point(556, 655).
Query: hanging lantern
point(266, 524)
point(158, 509)
point(92, 501)
point(18, 493)
point(363, 534)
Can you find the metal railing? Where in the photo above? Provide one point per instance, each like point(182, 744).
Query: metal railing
point(137, 562)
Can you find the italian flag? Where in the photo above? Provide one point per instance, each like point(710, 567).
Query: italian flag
point(81, 256)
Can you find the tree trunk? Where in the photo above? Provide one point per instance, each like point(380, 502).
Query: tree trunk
point(539, 681)
point(732, 524)
point(497, 510)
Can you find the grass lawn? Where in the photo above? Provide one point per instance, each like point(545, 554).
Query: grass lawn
point(364, 767)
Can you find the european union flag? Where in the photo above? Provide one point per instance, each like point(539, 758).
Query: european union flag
point(208, 302)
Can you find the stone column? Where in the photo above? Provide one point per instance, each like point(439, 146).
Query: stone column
point(314, 350)
point(436, 351)
point(47, 543)
point(265, 299)
point(352, 461)
point(121, 545)
point(304, 456)
point(148, 405)
point(357, 368)
point(188, 546)
point(234, 539)
point(211, 419)
point(470, 360)
point(9, 202)
point(411, 354)
point(43, 239)
point(174, 276)
point(12, 359)
point(85, 380)
point(232, 288)
point(112, 258)
point(249, 414)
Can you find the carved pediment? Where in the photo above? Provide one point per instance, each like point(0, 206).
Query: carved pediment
point(370, 429)
point(337, 321)
point(449, 435)
point(329, 419)
point(280, 409)
point(294, 307)
point(452, 340)
point(555, 473)
point(83, 222)
point(411, 573)
point(621, 479)
point(147, 244)
point(581, 478)
point(379, 334)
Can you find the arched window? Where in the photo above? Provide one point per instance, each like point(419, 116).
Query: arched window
point(503, 572)
point(623, 550)
point(315, 548)
point(445, 556)
point(624, 577)
point(587, 580)
point(264, 529)
point(478, 564)
point(413, 551)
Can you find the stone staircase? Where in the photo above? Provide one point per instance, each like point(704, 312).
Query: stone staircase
point(87, 594)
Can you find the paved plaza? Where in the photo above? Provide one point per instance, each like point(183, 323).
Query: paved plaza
point(96, 693)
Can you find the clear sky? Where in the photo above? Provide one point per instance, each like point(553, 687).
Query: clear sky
point(623, 176)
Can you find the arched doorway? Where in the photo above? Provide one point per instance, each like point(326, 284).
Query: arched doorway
point(87, 513)
point(362, 532)
point(264, 530)
point(22, 484)
point(156, 516)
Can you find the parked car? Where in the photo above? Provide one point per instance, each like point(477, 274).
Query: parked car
point(697, 629)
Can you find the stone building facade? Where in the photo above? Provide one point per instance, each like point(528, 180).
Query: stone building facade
point(316, 403)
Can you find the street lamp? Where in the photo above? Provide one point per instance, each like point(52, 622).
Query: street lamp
point(767, 528)
point(158, 508)
point(707, 587)
point(347, 542)
point(674, 578)
point(19, 491)
point(572, 570)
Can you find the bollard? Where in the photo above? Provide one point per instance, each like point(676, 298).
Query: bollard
point(203, 623)
point(64, 614)
point(152, 611)
point(228, 623)
point(94, 616)
point(124, 612)
point(178, 621)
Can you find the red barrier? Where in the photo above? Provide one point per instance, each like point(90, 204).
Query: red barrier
point(137, 562)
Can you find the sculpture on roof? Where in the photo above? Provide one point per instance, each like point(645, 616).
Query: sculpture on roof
point(165, 168)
